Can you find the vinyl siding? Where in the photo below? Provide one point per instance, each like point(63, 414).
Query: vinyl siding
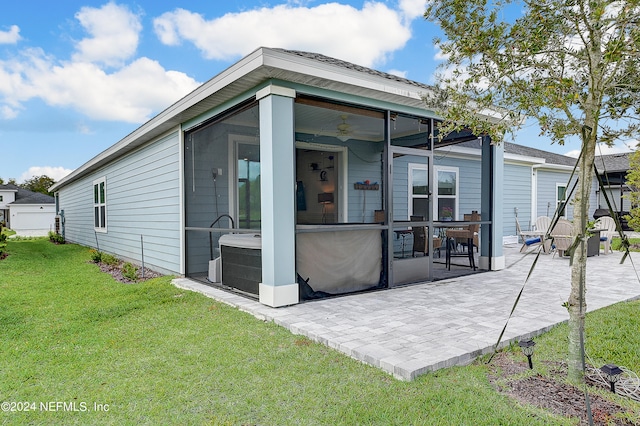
point(469, 172)
point(517, 194)
point(547, 181)
point(143, 199)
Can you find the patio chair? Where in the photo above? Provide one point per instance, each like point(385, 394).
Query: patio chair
point(536, 236)
point(563, 236)
point(467, 234)
point(607, 227)
point(421, 240)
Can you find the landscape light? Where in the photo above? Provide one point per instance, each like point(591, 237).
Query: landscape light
point(527, 349)
point(612, 373)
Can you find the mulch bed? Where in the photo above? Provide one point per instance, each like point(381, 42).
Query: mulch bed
point(506, 375)
point(116, 272)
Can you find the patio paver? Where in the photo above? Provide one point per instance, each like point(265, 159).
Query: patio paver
point(415, 329)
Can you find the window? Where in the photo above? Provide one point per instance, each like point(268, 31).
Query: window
point(1, 199)
point(447, 194)
point(419, 190)
point(561, 199)
point(100, 205)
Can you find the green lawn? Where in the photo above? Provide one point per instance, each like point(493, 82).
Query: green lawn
point(156, 354)
point(615, 243)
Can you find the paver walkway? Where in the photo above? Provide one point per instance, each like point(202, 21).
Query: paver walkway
point(411, 330)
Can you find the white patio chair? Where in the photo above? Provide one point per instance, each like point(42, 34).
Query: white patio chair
point(535, 237)
point(562, 235)
point(607, 227)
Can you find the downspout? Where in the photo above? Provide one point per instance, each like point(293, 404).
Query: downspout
point(534, 193)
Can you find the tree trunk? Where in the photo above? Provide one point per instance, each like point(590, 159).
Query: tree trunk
point(577, 304)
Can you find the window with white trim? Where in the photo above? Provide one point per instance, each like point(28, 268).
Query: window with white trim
point(100, 205)
point(447, 193)
point(561, 199)
point(419, 190)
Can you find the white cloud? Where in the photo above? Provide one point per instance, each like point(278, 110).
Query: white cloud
point(10, 37)
point(398, 73)
point(440, 56)
point(114, 32)
point(55, 173)
point(131, 92)
point(603, 149)
point(7, 113)
point(365, 36)
point(413, 8)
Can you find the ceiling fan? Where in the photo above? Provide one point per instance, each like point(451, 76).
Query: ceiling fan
point(344, 132)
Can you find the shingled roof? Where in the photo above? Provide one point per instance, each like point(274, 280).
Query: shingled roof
point(512, 148)
point(613, 162)
point(24, 196)
point(348, 65)
point(549, 157)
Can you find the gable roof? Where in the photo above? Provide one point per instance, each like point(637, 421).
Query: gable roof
point(613, 162)
point(549, 157)
point(533, 155)
point(24, 196)
point(240, 81)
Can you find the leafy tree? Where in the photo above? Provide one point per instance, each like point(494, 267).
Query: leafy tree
point(633, 180)
point(39, 184)
point(573, 65)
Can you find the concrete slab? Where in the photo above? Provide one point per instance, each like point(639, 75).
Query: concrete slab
point(408, 331)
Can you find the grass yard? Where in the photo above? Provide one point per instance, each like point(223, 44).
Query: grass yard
point(635, 243)
point(151, 353)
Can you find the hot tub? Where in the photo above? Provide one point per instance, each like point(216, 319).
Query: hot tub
point(241, 261)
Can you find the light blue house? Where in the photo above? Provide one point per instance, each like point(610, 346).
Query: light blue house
point(536, 183)
point(287, 174)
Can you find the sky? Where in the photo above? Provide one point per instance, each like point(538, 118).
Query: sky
point(78, 77)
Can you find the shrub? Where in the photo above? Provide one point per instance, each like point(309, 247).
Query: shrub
point(130, 272)
point(96, 256)
point(56, 238)
point(108, 259)
point(3, 244)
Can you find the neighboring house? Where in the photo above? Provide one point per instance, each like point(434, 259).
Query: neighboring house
point(543, 180)
point(287, 165)
point(613, 170)
point(535, 182)
point(26, 212)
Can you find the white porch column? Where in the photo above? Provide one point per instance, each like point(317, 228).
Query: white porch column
point(277, 185)
point(491, 252)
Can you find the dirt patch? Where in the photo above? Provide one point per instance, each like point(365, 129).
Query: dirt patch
point(116, 272)
point(507, 376)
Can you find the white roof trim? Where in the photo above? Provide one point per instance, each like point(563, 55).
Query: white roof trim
point(258, 67)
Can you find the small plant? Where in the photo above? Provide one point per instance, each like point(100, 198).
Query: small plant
point(96, 256)
point(130, 272)
point(108, 259)
point(447, 212)
point(56, 238)
point(3, 242)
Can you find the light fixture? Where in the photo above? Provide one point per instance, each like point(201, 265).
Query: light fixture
point(527, 349)
point(343, 130)
point(612, 372)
